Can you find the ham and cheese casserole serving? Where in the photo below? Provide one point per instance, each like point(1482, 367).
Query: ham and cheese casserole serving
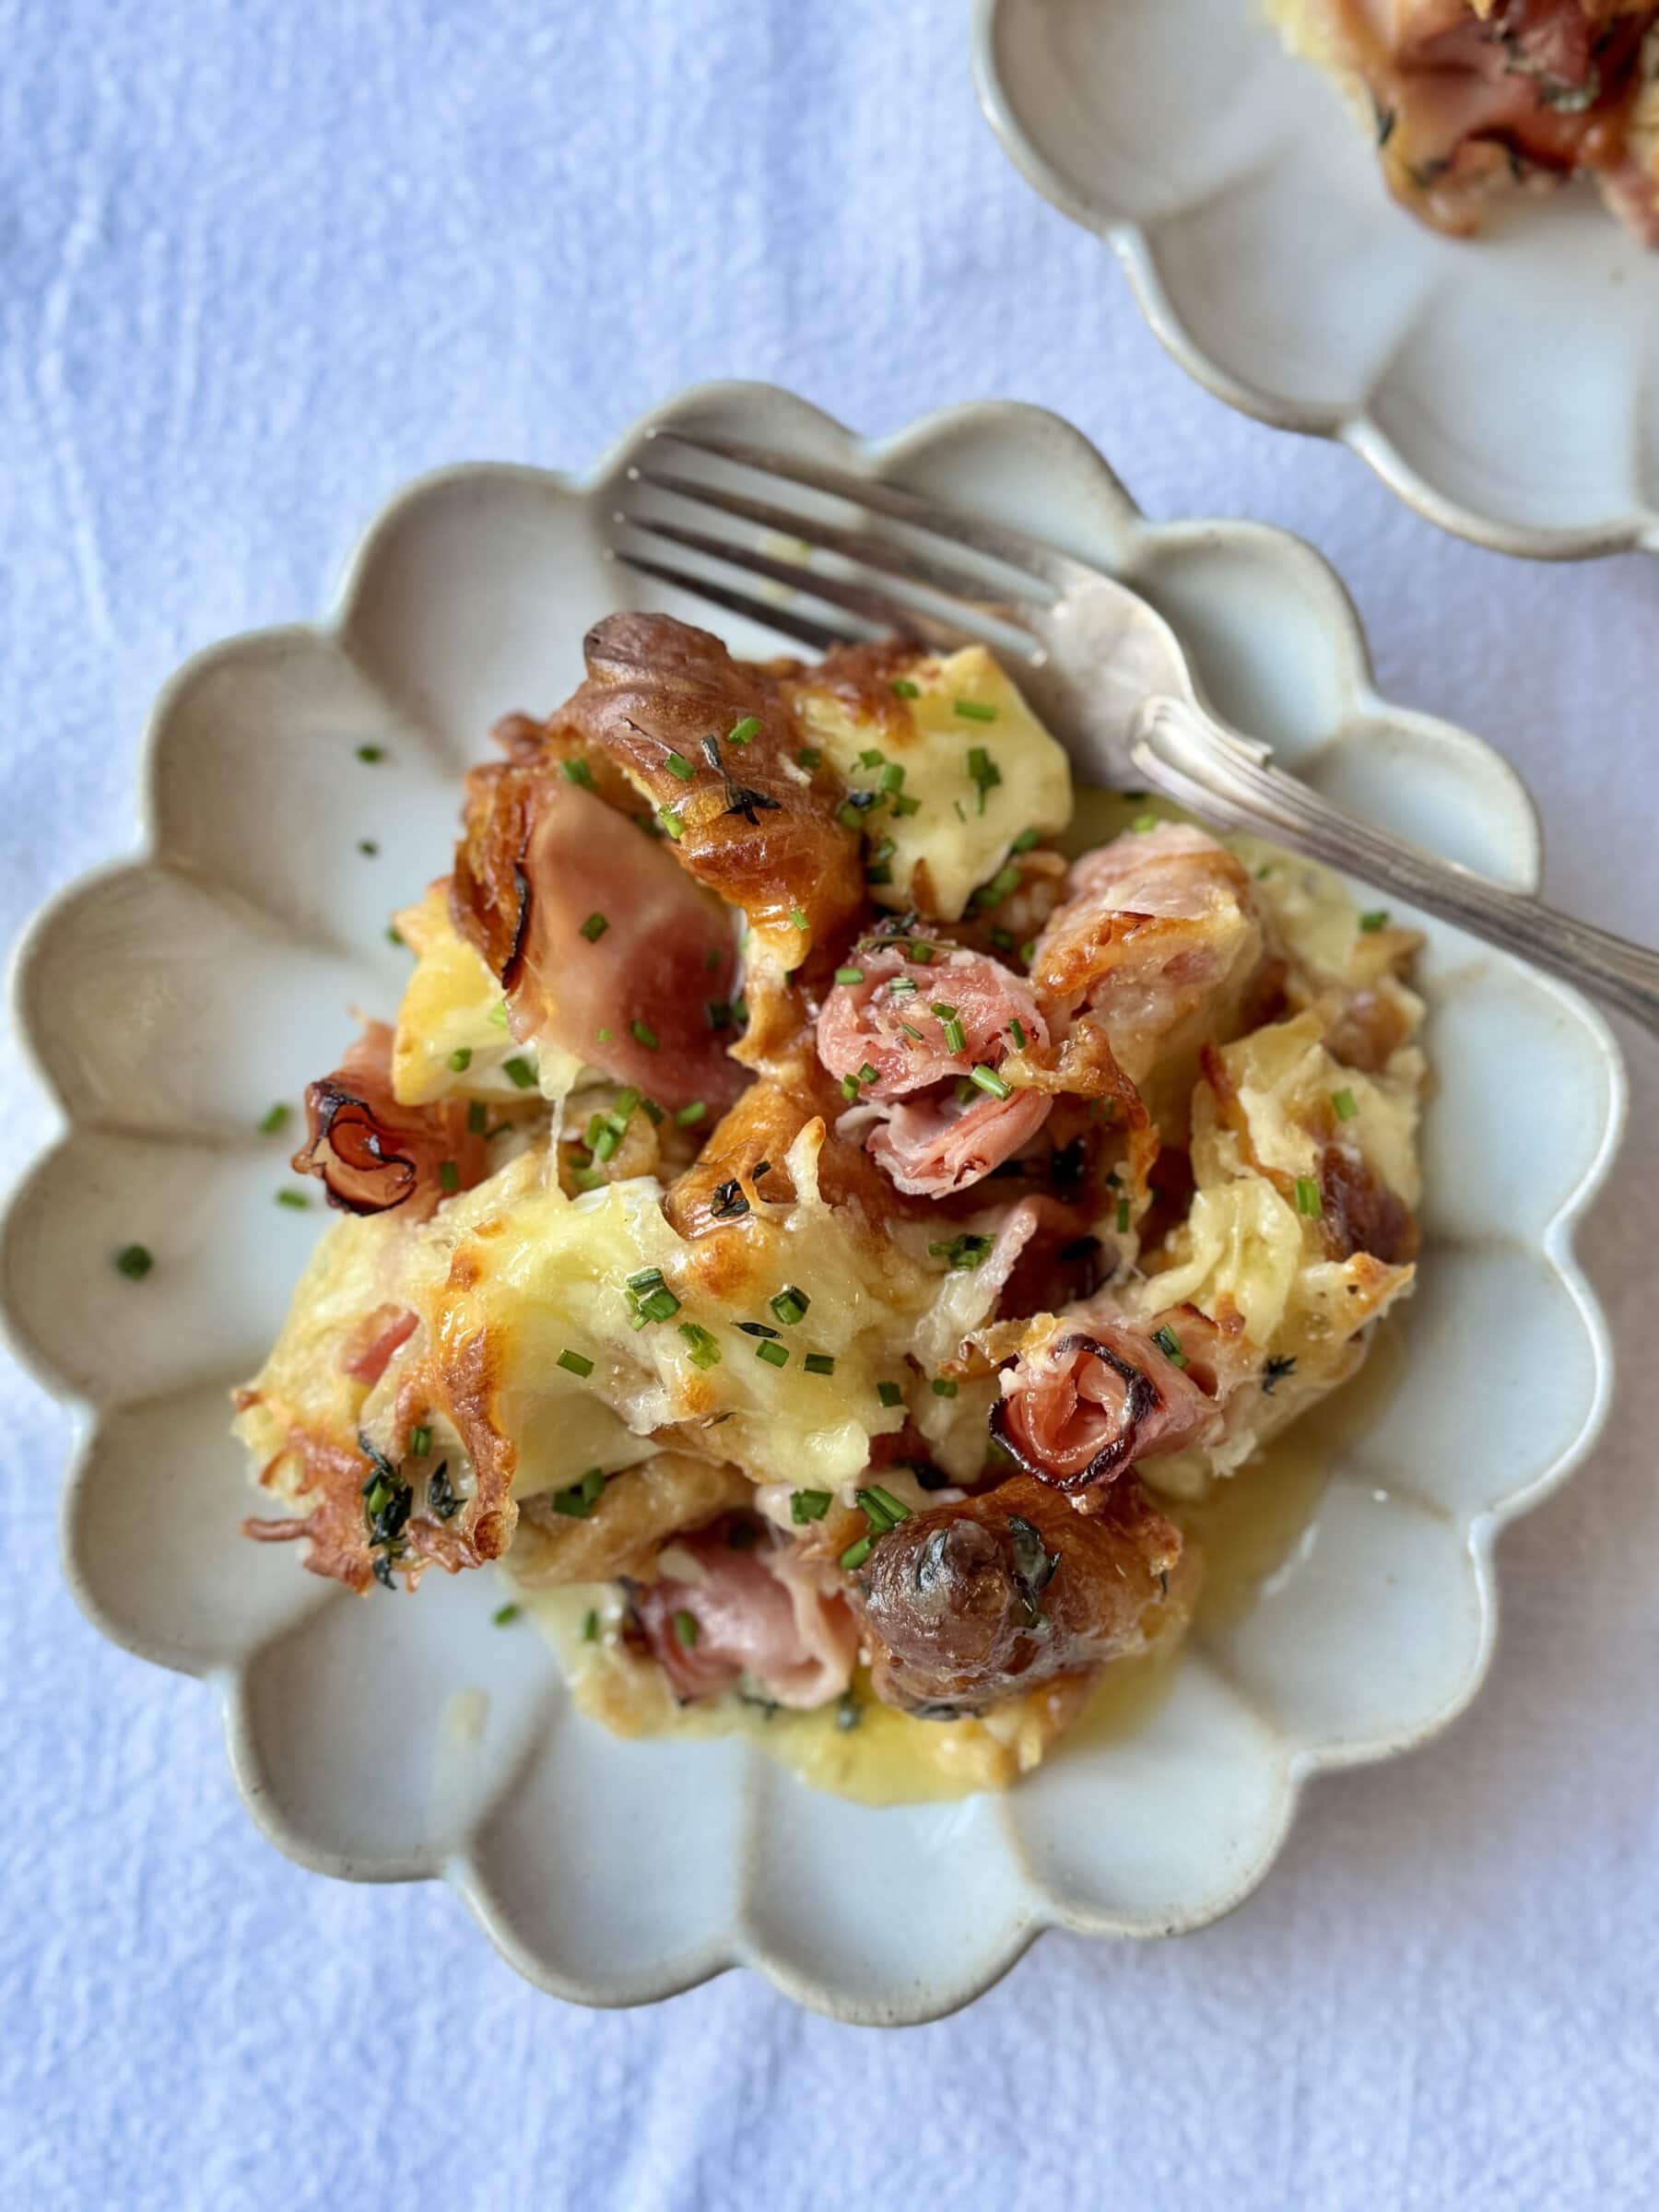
point(1473, 99)
point(833, 1206)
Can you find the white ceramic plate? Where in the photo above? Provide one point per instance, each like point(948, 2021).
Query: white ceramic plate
point(171, 998)
point(1507, 388)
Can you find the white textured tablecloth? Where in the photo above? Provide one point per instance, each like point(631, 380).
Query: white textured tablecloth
point(261, 261)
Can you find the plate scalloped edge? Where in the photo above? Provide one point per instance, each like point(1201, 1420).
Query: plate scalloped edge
point(1034, 1904)
point(1357, 428)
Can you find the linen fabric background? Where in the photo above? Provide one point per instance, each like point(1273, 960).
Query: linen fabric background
point(261, 261)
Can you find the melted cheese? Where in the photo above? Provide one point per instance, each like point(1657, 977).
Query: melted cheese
point(544, 1276)
point(958, 837)
point(451, 1003)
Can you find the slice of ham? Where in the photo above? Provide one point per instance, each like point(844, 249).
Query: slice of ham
point(1159, 942)
point(384, 1331)
point(1094, 1392)
point(931, 1142)
point(539, 858)
point(762, 1611)
point(1478, 97)
point(371, 1154)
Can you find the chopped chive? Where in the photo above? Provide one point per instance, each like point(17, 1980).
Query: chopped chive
point(798, 918)
point(809, 1505)
point(685, 1626)
point(278, 1118)
point(1027, 950)
point(850, 1089)
point(135, 1262)
point(890, 1393)
point(578, 772)
point(449, 1175)
point(678, 765)
point(970, 709)
point(504, 1616)
point(921, 954)
point(856, 1554)
point(849, 975)
point(662, 1305)
point(881, 1508)
point(790, 1305)
point(741, 732)
point(296, 1201)
point(1017, 1030)
point(988, 1079)
point(705, 1351)
point(590, 1627)
point(891, 778)
point(603, 1036)
point(420, 1442)
point(820, 1363)
point(1262, 873)
point(673, 823)
point(1024, 842)
point(1307, 1196)
point(477, 1116)
point(519, 1073)
point(963, 1252)
point(368, 848)
point(904, 803)
point(1347, 1105)
point(580, 1499)
point(1144, 822)
point(950, 1023)
point(574, 1363)
point(687, 1117)
point(370, 753)
point(904, 688)
point(910, 1031)
point(809, 755)
point(461, 1058)
point(594, 927)
point(983, 772)
point(872, 757)
point(1006, 880)
point(756, 1328)
point(900, 984)
point(1376, 919)
point(498, 1014)
point(643, 1033)
point(1122, 1216)
point(1168, 1344)
point(849, 815)
point(943, 1387)
point(647, 1279)
point(628, 1098)
point(587, 1179)
point(393, 935)
point(774, 1354)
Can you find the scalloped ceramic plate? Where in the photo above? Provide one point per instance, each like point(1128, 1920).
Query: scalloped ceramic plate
point(1507, 388)
point(170, 998)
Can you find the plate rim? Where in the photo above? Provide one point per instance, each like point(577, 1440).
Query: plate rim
point(1634, 532)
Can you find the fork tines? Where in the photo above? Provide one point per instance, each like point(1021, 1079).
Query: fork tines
point(873, 575)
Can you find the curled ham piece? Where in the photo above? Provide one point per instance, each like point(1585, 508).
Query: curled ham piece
point(371, 1154)
point(1098, 1391)
point(761, 1611)
point(540, 857)
point(930, 1141)
point(986, 1597)
point(381, 1332)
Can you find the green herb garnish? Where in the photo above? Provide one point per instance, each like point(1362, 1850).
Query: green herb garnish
point(296, 1201)
point(790, 1305)
point(575, 1363)
point(1307, 1196)
point(809, 1505)
point(134, 1261)
point(988, 1079)
point(519, 1073)
point(970, 709)
point(276, 1118)
point(775, 1354)
point(820, 1363)
point(578, 772)
point(1346, 1104)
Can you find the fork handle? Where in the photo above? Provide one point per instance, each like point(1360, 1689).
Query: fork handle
point(1186, 756)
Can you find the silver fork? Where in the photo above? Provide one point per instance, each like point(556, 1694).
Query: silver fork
point(1098, 664)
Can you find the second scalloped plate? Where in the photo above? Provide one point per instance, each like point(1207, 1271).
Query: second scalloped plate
point(1506, 387)
point(169, 999)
